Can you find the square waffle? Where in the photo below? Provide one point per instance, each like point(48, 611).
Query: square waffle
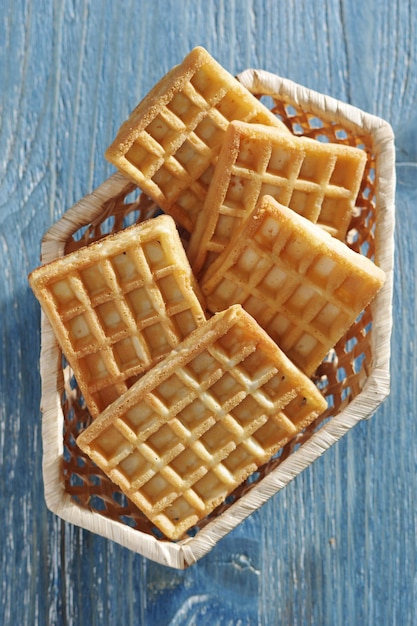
point(119, 305)
point(183, 437)
point(317, 180)
point(304, 287)
point(170, 142)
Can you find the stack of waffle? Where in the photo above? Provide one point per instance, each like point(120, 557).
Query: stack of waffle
point(195, 354)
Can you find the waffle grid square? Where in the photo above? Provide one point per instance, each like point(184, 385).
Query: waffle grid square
point(120, 312)
point(185, 441)
point(301, 289)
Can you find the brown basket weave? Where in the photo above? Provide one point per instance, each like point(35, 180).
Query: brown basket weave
point(354, 377)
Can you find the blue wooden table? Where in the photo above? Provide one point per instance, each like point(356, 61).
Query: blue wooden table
point(338, 545)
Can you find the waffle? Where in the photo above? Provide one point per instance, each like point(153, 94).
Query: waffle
point(170, 142)
point(119, 305)
point(304, 287)
point(317, 180)
point(201, 421)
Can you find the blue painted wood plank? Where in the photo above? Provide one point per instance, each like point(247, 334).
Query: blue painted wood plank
point(338, 545)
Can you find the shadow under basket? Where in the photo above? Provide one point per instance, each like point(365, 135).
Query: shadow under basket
point(354, 377)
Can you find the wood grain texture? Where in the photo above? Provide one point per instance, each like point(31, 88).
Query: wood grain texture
point(338, 545)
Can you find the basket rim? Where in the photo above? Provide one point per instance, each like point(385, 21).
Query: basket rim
point(187, 551)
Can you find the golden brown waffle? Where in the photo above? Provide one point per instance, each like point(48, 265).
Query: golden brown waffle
point(170, 142)
point(304, 287)
point(119, 305)
point(317, 180)
point(183, 437)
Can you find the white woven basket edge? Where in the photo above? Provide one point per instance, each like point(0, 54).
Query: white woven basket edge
point(267, 83)
point(180, 555)
point(55, 238)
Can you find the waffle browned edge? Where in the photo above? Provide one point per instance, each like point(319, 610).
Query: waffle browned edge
point(340, 377)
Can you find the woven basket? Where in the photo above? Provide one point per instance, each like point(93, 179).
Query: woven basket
point(354, 377)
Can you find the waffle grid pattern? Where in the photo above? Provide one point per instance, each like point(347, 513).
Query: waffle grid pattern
point(317, 180)
point(120, 314)
point(172, 156)
point(301, 295)
point(202, 430)
point(182, 174)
